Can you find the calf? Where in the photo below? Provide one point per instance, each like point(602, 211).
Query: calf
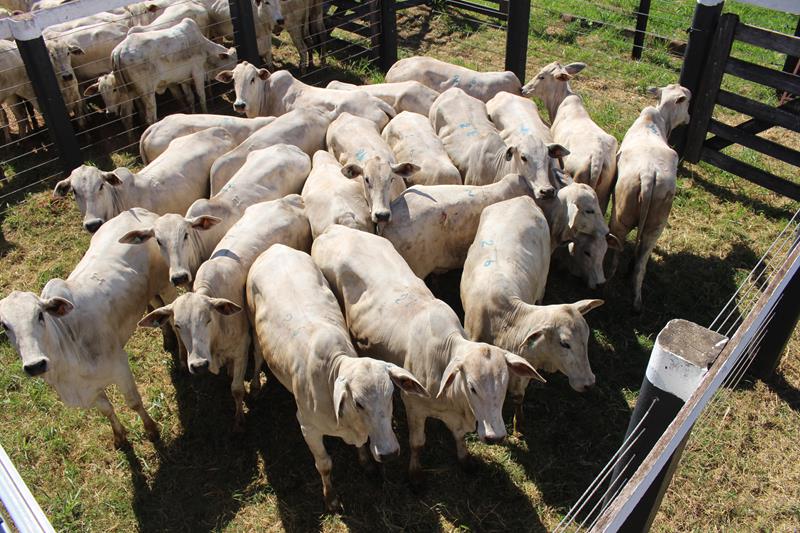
point(592, 151)
point(504, 276)
point(441, 76)
point(411, 137)
point(393, 316)
point(304, 340)
point(434, 225)
point(169, 184)
point(208, 320)
point(73, 335)
point(145, 63)
point(476, 148)
point(646, 183)
point(358, 145)
point(89, 45)
point(187, 241)
point(157, 137)
point(332, 198)
point(259, 93)
point(403, 96)
point(304, 128)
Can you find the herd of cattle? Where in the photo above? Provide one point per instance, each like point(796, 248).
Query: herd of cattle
point(130, 54)
point(308, 230)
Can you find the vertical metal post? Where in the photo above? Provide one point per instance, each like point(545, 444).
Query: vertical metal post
point(36, 58)
point(701, 34)
point(244, 30)
point(519, 14)
point(784, 319)
point(387, 48)
point(791, 61)
point(679, 360)
point(641, 28)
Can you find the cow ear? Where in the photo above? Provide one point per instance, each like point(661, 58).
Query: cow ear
point(555, 150)
point(340, 390)
point(92, 89)
point(203, 222)
point(225, 307)
point(76, 50)
point(614, 242)
point(352, 171)
point(532, 339)
point(572, 215)
point(226, 76)
point(510, 152)
point(57, 306)
point(680, 99)
point(224, 55)
point(522, 368)
point(584, 306)
point(654, 91)
point(152, 8)
point(137, 236)
point(405, 170)
point(112, 178)
point(406, 381)
point(157, 318)
point(63, 188)
point(449, 376)
point(263, 73)
point(574, 68)
point(563, 76)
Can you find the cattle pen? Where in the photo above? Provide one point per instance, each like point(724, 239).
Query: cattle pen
point(717, 451)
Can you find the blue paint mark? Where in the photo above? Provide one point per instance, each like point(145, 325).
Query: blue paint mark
point(489, 262)
point(472, 83)
point(485, 243)
point(456, 80)
point(471, 193)
point(465, 125)
point(654, 129)
point(361, 154)
point(403, 297)
point(524, 130)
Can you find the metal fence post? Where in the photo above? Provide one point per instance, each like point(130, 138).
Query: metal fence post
point(387, 48)
point(679, 360)
point(519, 14)
point(244, 31)
point(641, 28)
point(701, 34)
point(36, 58)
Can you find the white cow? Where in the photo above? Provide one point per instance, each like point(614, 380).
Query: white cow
point(174, 180)
point(434, 225)
point(504, 277)
point(147, 63)
point(592, 151)
point(306, 27)
point(357, 144)
point(187, 241)
point(332, 198)
point(441, 76)
point(304, 128)
point(175, 13)
point(411, 137)
point(208, 319)
point(259, 93)
point(646, 183)
point(403, 96)
point(89, 44)
point(393, 316)
point(157, 137)
point(475, 146)
point(14, 86)
point(304, 340)
point(73, 336)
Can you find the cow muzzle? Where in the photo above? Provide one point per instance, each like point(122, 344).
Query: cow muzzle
point(278, 26)
point(180, 278)
point(67, 77)
point(199, 367)
point(240, 106)
point(386, 457)
point(545, 192)
point(36, 368)
point(93, 225)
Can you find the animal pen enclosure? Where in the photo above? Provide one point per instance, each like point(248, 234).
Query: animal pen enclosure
point(366, 37)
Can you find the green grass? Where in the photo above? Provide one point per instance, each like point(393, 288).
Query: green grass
point(739, 473)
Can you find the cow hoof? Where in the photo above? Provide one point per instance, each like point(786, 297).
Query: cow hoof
point(468, 465)
point(333, 505)
point(153, 435)
point(416, 480)
point(121, 442)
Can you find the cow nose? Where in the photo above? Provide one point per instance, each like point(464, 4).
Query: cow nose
point(179, 279)
point(547, 192)
point(386, 457)
point(493, 439)
point(34, 369)
point(93, 225)
point(199, 368)
point(383, 216)
point(279, 22)
point(67, 77)
point(239, 106)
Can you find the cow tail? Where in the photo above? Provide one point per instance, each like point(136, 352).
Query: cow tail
point(646, 192)
point(142, 140)
point(596, 163)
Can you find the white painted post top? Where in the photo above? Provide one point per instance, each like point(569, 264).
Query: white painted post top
point(787, 6)
point(25, 513)
point(30, 25)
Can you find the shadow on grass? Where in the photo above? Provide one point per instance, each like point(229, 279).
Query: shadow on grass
point(785, 390)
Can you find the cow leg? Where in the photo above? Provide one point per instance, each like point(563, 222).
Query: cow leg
point(465, 460)
point(237, 390)
point(296, 33)
point(365, 460)
point(126, 110)
point(416, 439)
point(104, 406)
point(150, 113)
point(199, 78)
point(621, 230)
point(17, 107)
point(131, 393)
point(516, 395)
point(258, 363)
point(318, 30)
point(324, 466)
point(644, 247)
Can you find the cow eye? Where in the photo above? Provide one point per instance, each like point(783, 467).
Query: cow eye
point(366, 180)
point(113, 90)
point(41, 317)
point(185, 236)
point(177, 326)
point(253, 80)
point(590, 211)
point(587, 254)
point(524, 159)
point(359, 406)
point(158, 241)
point(101, 187)
point(565, 345)
point(472, 390)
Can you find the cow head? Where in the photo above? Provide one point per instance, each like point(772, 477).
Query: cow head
point(673, 104)
point(197, 320)
point(586, 254)
point(582, 209)
point(560, 342)
point(551, 84)
point(269, 15)
point(378, 176)
point(478, 375)
point(27, 321)
point(61, 53)
point(362, 401)
point(220, 59)
point(99, 194)
point(534, 160)
point(249, 85)
point(178, 241)
point(110, 91)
